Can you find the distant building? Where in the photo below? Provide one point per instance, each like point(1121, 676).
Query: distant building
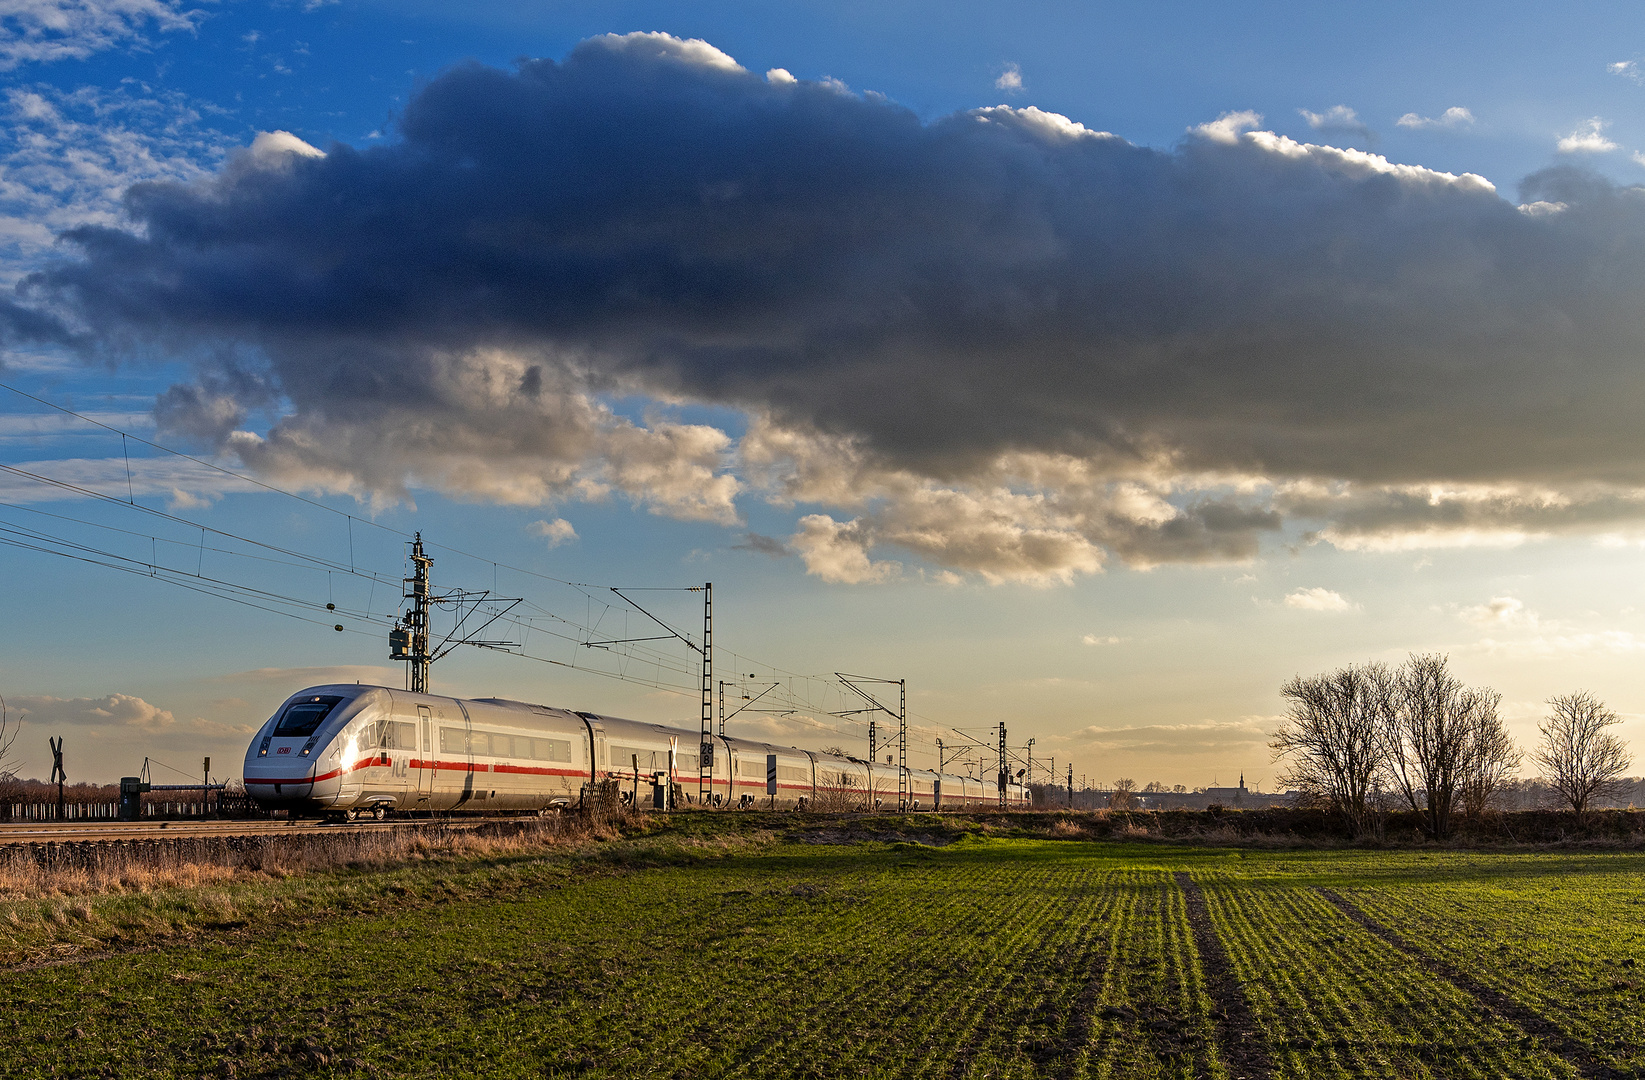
point(1235, 795)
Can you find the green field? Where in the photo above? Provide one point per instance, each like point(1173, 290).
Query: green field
point(784, 957)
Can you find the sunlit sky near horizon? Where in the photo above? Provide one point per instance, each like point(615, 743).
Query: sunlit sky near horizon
point(1094, 367)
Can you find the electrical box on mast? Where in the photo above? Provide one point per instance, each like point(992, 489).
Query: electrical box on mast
point(409, 640)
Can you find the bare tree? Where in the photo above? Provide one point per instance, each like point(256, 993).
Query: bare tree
point(1492, 756)
point(1123, 797)
point(1431, 736)
point(1579, 758)
point(10, 785)
point(1443, 744)
point(1332, 739)
point(837, 791)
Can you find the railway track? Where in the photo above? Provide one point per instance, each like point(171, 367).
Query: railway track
point(40, 832)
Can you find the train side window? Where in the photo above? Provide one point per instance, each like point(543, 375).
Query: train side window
point(396, 735)
point(453, 741)
point(550, 750)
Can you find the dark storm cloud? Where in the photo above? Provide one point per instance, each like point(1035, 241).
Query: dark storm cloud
point(647, 216)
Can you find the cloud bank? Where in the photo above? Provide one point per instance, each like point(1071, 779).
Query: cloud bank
point(999, 343)
point(42, 31)
point(114, 710)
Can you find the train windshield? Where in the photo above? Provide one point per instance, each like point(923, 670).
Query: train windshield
point(302, 718)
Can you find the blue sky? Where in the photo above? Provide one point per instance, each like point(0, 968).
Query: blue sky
point(1011, 482)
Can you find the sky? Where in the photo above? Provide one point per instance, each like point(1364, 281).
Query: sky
point(1094, 368)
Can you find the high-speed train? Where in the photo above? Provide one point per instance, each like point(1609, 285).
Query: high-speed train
point(348, 750)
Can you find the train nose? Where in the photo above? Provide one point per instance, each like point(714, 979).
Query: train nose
point(280, 772)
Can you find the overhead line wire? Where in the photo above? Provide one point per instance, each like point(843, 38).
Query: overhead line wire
point(656, 657)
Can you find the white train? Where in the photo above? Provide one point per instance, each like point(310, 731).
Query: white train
point(348, 750)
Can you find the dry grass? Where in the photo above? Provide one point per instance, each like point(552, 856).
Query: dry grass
point(63, 902)
point(36, 871)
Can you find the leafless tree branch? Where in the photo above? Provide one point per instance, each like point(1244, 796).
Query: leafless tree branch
point(1579, 758)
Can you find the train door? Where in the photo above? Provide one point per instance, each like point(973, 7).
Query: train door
point(425, 759)
point(810, 796)
point(727, 763)
point(599, 766)
point(467, 766)
point(936, 793)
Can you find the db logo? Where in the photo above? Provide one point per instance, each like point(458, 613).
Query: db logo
point(283, 750)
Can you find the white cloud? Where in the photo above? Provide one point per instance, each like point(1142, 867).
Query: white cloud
point(1335, 115)
point(1317, 599)
point(780, 77)
point(42, 31)
point(1025, 518)
point(1628, 69)
point(67, 159)
point(1010, 79)
point(1411, 517)
point(838, 552)
point(1047, 125)
point(1174, 739)
point(1398, 539)
point(1338, 120)
point(1093, 639)
point(556, 532)
point(1454, 117)
point(1588, 138)
point(177, 479)
point(114, 711)
point(275, 149)
point(497, 427)
point(660, 47)
point(1549, 646)
point(1499, 611)
point(1544, 208)
point(1227, 127)
point(1360, 163)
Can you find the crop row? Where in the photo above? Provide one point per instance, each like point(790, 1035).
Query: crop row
point(998, 960)
point(1561, 939)
point(981, 959)
point(1336, 1001)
